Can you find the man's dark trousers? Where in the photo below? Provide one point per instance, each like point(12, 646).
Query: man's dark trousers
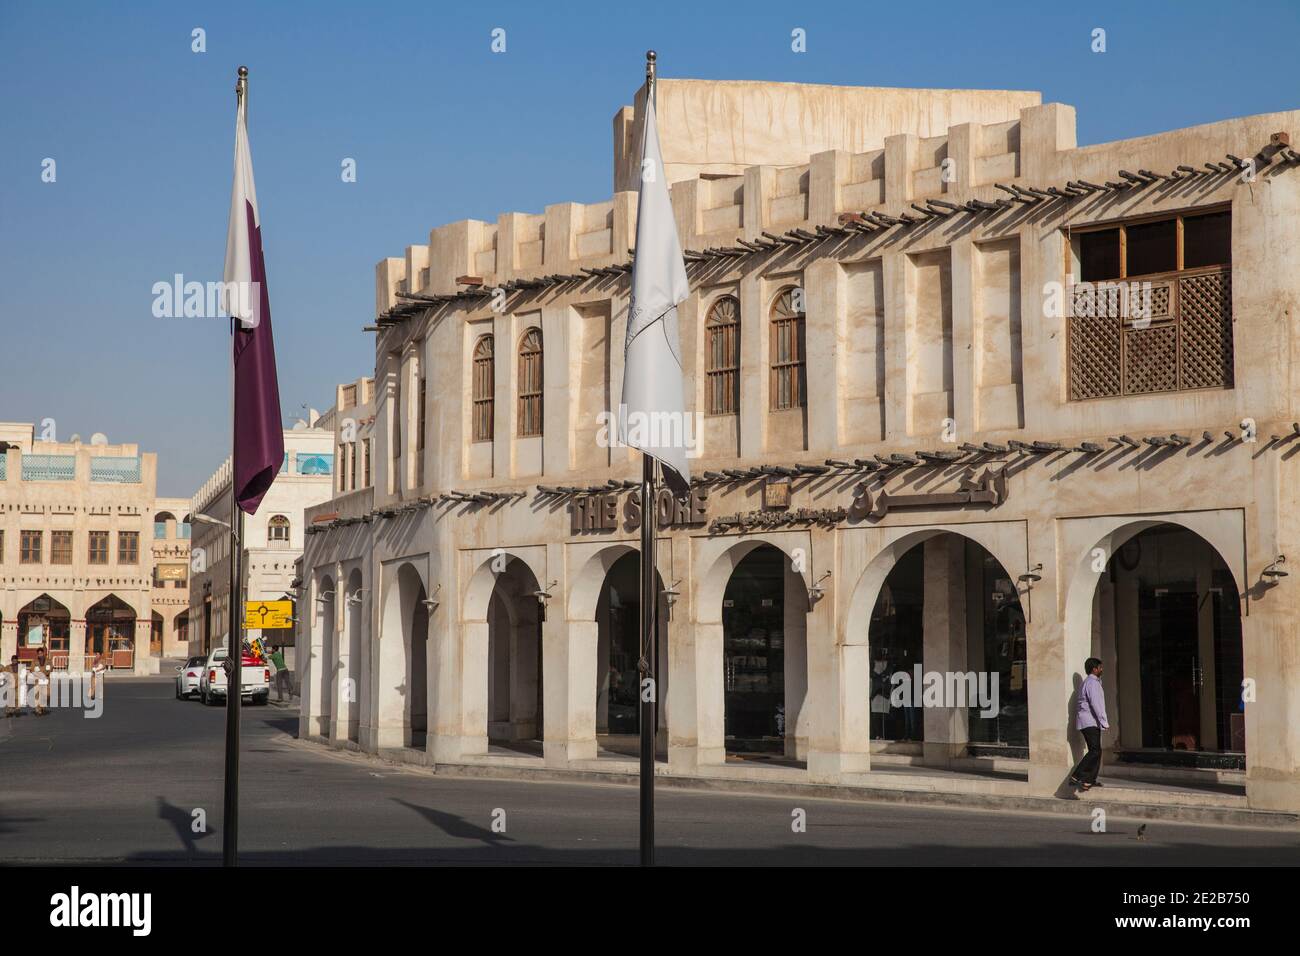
point(1090, 764)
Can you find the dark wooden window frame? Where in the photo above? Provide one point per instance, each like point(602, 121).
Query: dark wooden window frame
point(483, 388)
point(722, 356)
point(788, 386)
point(529, 421)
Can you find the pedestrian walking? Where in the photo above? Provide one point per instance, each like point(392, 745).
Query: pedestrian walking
point(43, 672)
point(12, 694)
point(1090, 720)
point(283, 678)
point(97, 669)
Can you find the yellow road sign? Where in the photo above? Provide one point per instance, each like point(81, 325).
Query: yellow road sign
point(268, 614)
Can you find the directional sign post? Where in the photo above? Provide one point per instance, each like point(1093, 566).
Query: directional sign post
point(268, 614)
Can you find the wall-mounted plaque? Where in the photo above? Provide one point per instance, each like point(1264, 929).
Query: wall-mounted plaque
point(776, 493)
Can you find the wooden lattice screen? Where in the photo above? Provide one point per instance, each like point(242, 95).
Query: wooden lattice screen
point(1169, 333)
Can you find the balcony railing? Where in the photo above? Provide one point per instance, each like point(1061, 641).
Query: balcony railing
point(1158, 333)
point(49, 467)
point(112, 470)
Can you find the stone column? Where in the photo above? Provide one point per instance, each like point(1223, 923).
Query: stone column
point(944, 627)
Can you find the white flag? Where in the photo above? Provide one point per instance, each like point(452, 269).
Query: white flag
point(653, 411)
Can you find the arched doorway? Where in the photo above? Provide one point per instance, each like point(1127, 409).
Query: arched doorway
point(355, 672)
point(764, 653)
point(1167, 621)
point(514, 660)
point(948, 651)
point(618, 654)
point(326, 665)
point(110, 631)
point(43, 622)
point(403, 698)
point(155, 634)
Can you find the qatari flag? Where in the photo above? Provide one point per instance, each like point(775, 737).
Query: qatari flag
point(259, 433)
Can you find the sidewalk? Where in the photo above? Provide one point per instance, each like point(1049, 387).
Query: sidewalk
point(998, 784)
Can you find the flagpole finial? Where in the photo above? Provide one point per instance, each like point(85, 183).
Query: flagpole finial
point(650, 57)
point(241, 85)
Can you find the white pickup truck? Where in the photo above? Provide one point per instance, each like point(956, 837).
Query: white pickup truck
point(254, 679)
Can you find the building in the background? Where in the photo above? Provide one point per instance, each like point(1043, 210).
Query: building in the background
point(83, 570)
point(970, 401)
point(272, 537)
point(169, 631)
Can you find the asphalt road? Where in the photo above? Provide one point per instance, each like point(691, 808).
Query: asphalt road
point(123, 789)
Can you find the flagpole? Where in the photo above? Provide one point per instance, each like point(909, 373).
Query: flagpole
point(234, 640)
point(649, 608)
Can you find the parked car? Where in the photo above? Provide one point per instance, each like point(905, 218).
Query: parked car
point(187, 677)
point(254, 679)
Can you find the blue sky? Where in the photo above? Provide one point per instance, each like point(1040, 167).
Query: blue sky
point(442, 129)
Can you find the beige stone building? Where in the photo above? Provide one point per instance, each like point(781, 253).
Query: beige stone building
point(970, 401)
point(88, 553)
point(272, 538)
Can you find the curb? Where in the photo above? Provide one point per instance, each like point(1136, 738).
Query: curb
point(1174, 813)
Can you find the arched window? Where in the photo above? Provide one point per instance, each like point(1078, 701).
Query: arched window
point(277, 529)
point(530, 383)
point(788, 388)
point(484, 389)
point(722, 366)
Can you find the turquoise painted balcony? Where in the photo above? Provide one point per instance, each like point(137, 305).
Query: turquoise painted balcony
point(49, 467)
point(118, 471)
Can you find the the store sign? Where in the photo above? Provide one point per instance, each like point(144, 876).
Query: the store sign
point(171, 572)
point(268, 614)
point(989, 489)
point(776, 493)
point(602, 512)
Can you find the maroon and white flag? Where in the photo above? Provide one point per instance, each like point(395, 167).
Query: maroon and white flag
point(259, 431)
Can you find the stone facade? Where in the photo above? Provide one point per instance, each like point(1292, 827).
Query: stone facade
point(83, 596)
point(273, 537)
point(953, 389)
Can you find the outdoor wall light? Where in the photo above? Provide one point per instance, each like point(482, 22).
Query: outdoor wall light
point(1030, 576)
point(354, 598)
point(817, 592)
point(431, 602)
point(543, 596)
point(671, 594)
point(324, 597)
point(1273, 572)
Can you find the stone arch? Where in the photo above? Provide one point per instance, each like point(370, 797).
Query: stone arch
point(354, 661)
point(489, 565)
point(324, 611)
point(722, 557)
point(1082, 612)
point(402, 688)
point(1004, 541)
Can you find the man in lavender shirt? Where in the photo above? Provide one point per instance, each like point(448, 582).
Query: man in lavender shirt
point(1090, 720)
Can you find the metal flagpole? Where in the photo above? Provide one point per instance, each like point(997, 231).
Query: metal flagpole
point(234, 639)
point(649, 691)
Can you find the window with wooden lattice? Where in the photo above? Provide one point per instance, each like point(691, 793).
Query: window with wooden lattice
point(722, 363)
point(787, 385)
point(1150, 309)
point(483, 389)
point(530, 384)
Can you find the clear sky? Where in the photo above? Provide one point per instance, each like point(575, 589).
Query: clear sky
point(442, 128)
